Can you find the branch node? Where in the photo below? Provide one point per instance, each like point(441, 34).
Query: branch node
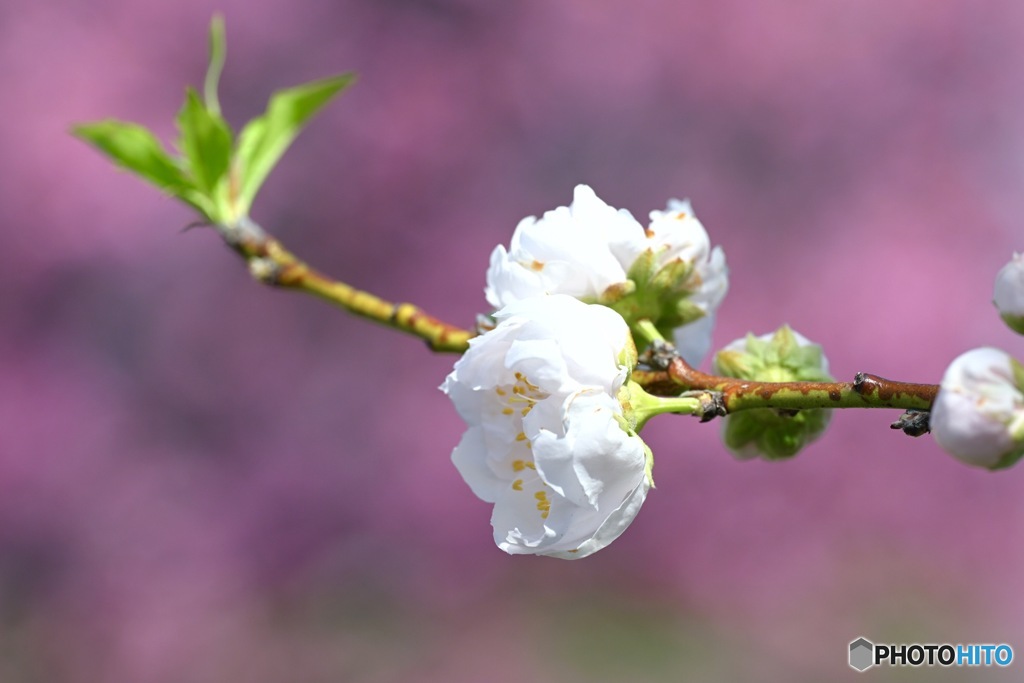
point(712, 404)
point(861, 383)
point(659, 355)
point(913, 422)
point(265, 270)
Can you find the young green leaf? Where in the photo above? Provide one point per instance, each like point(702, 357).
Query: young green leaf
point(265, 138)
point(206, 144)
point(136, 149)
point(218, 53)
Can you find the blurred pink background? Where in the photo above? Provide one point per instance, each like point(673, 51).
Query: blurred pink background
point(205, 480)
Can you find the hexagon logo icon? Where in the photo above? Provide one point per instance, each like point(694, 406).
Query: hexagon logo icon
point(862, 654)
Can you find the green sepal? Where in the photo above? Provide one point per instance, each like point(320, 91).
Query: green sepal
point(1009, 460)
point(657, 294)
point(784, 342)
point(648, 464)
point(1014, 322)
point(674, 277)
point(732, 363)
point(642, 269)
point(757, 348)
point(264, 139)
point(684, 312)
point(135, 149)
point(772, 434)
point(779, 358)
point(808, 361)
point(628, 356)
point(636, 405)
point(617, 292)
point(1017, 431)
point(1018, 373)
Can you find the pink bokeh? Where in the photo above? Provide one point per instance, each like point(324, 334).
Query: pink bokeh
point(206, 480)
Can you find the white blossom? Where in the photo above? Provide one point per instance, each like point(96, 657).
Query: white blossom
point(1009, 293)
point(590, 251)
point(576, 250)
point(676, 233)
point(547, 440)
point(978, 415)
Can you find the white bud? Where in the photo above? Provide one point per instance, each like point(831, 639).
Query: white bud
point(1009, 293)
point(978, 415)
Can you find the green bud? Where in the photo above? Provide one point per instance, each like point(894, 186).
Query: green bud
point(782, 356)
point(773, 434)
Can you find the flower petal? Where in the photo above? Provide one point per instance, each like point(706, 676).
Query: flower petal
point(470, 459)
point(610, 529)
point(593, 457)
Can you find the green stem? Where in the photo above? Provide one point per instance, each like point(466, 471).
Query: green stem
point(270, 263)
point(646, 329)
point(645, 405)
point(866, 391)
point(218, 53)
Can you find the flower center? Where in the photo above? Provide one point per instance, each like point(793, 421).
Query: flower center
point(520, 397)
point(517, 400)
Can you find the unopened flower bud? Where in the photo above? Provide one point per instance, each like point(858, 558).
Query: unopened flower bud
point(1009, 293)
point(783, 356)
point(978, 415)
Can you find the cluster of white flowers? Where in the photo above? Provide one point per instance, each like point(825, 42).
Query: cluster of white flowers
point(551, 438)
point(594, 253)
